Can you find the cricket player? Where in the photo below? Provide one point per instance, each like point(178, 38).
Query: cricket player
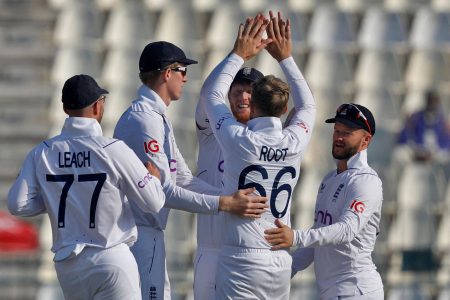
point(347, 216)
point(84, 181)
point(262, 155)
point(210, 166)
point(145, 128)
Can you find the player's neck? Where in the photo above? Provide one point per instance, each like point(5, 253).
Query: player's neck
point(162, 93)
point(341, 166)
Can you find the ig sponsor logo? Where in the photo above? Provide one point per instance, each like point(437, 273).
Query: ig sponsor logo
point(151, 146)
point(358, 206)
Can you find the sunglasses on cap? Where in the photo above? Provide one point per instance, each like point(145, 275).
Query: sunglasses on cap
point(182, 70)
point(354, 112)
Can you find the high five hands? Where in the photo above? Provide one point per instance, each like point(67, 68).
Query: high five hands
point(279, 32)
point(250, 41)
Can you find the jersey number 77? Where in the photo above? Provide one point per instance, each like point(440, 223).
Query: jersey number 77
point(69, 179)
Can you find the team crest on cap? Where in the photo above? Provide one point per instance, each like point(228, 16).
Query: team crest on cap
point(343, 111)
point(247, 71)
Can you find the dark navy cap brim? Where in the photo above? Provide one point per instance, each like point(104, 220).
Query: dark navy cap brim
point(187, 61)
point(184, 61)
point(347, 122)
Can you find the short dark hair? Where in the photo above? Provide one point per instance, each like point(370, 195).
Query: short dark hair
point(270, 95)
point(150, 76)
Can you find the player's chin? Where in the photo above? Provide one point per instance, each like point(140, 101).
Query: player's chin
point(242, 115)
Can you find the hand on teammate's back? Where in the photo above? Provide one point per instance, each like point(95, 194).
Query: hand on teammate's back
point(245, 203)
point(153, 169)
point(249, 40)
point(279, 32)
point(280, 237)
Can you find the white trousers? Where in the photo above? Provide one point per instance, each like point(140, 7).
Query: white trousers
point(97, 273)
point(375, 295)
point(150, 253)
point(253, 274)
point(205, 267)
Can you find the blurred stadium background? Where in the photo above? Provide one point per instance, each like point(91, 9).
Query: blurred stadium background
point(381, 53)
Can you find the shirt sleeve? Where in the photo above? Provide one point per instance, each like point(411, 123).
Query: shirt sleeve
point(301, 259)
point(24, 197)
point(302, 119)
point(135, 180)
point(186, 180)
point(201, 118)
point(222, 122)
point(149, 145)
point(362, 199)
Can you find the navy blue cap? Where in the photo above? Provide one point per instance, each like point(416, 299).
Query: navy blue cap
point(247, 75)
point(355, 116)
point(80, 91)
point(158, 55)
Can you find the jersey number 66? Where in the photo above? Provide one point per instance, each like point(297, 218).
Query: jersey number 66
point(275, 188)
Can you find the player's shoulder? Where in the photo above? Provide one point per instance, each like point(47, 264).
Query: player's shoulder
point(366, 171)
point(329, 176)
point(112, 144)
point(148, 121)
point(41, 147)
point(365, 177)
point(140, 106)
point(297, 126)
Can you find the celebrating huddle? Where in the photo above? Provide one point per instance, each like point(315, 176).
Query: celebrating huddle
point(109, 210)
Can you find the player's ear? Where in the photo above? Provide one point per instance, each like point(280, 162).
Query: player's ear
point(166, 74)
point(96, 108)
point(366, 139)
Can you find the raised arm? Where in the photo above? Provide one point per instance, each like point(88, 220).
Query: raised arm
point(248, 43)
point(303, 116)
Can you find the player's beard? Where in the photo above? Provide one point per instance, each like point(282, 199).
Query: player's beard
point(346, 153)
point(241, 115)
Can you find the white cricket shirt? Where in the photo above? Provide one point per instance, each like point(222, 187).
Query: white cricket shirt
point(83, 181)
point(145, 129)
point(262, 154)
point(210, 167)
point(346, 225)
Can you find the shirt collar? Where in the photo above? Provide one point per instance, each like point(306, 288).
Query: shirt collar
point(358, 161)
point(77, 127)
point(155, 100)
point(268, 125)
